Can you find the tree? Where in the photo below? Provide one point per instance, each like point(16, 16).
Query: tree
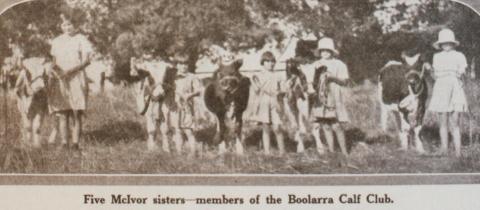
point(368, 32)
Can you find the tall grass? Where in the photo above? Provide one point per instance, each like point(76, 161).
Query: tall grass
point(114, 142)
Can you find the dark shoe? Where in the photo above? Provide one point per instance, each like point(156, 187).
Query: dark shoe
point(75, 147)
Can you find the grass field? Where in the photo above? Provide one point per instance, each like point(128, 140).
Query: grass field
point(114, 142)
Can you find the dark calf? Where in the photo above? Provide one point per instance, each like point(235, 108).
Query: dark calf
point(228, 88)
point(403, 89)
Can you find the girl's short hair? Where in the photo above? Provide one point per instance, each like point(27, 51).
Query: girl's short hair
point(74, 15)
point(267, 56)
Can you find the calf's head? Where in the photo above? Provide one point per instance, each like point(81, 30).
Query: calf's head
point(415, 81)
point(228, 76)
point(37, 79)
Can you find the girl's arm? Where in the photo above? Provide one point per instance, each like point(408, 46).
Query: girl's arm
point(85, 52)
point(197, 90)
point(339, 81)
point(255, 81)
point(280, 90)
point(462, 64)
point(342, 77)
point(73, 71)
point(67, 73)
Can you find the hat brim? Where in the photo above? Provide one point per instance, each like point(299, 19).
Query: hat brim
point(334, 51)
point(437, 44)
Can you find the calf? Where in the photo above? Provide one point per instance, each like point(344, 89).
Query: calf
point(32, 99)
point(403, 89)
point(99, 74)
point(297, 100)
point(228, 88)
point(154, 91)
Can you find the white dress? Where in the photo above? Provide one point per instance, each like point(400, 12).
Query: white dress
point(448, 94)
point(186, 84)
point(266, 104)
point(70, 93)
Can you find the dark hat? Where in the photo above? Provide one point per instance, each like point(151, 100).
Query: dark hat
point(267, 56)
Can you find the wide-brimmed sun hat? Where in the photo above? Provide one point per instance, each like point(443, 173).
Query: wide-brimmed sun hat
point(327, 44)
point(445, 36)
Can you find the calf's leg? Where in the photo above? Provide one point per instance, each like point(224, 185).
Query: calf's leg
point(219, 135)
point(151, 132)
point(63, 124)
point(383, 110)
point(327, 129)
point(403, 130)
point(302, 129)
point(404, 133)
point(238, 134)
point(299, 140)
point(36, 123)
point(316, 134)
point(164, 132)
point(418, 141)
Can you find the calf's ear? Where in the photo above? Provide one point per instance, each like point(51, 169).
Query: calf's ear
point(237, 64)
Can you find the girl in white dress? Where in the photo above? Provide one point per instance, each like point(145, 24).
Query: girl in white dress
point(187, 87)
point(329, 111)
point(68, 92)
point(448, 97)
point(267, 110)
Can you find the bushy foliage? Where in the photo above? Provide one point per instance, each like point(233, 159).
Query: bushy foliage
point(367, 31)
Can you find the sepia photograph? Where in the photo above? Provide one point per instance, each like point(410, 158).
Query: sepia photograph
point(240, 87)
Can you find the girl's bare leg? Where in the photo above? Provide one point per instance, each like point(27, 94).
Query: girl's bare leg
point(266, 138)
point(76, 128)
point(280, 138)
point(337, 127)
point(53, 134)
point(27, 129)
point(36, 123)
point(443, 132)
point(192, 141)
point(455, 131)
point(178, 140)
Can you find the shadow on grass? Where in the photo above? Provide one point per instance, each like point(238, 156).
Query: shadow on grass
point(114, 132)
